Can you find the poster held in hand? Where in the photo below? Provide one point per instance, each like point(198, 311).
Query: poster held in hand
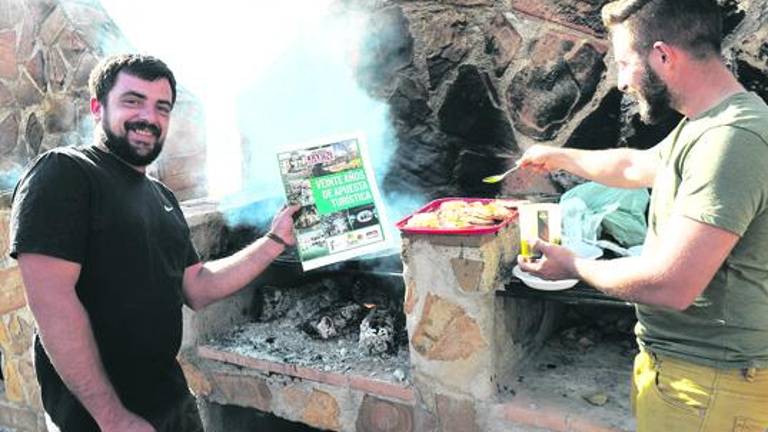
point(341, 214)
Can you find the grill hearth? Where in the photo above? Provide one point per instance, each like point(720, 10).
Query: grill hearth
point(460, 346)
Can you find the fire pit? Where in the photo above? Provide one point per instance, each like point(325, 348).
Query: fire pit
point(428, 339)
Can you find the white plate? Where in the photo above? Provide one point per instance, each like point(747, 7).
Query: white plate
point(543, 284)
point(584, 250)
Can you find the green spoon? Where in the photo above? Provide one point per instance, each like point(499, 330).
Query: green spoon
point(499, 177)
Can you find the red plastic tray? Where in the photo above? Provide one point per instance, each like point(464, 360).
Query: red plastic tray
point(470, 230)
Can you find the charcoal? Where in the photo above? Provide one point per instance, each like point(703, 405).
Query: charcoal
point(377, 333)
point(333, 321)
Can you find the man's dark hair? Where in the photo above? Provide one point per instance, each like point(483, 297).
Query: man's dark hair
point(148, 68)
point(692, 25)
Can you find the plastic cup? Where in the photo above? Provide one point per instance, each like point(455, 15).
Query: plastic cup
point(538, 221)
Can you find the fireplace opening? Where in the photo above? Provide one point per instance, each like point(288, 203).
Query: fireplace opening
point(336, 321)
point(344, 319)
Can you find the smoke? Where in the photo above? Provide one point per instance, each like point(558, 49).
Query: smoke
point(310, 92)
point(269, 75)
point(9, 176)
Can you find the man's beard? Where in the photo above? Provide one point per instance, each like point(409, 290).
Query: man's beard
point(123, 149)
point(654, 98)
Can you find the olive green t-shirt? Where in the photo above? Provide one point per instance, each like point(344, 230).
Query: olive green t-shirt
point(714, 169)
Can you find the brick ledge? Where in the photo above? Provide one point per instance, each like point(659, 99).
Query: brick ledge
point(356, 382)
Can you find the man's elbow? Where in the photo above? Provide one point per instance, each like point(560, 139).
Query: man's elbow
point(194, 297)
point(672, 297)
point(195, 302)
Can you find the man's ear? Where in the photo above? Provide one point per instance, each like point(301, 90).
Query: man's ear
point(96, 109)
point(664, 52)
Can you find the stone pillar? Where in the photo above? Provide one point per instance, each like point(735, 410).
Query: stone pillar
point(465, 342)
point(20, 405)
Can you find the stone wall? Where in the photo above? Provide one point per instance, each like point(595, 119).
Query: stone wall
point(473, 83)
point(47, 50)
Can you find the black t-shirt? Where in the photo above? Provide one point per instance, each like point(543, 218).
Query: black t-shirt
point(129, 235)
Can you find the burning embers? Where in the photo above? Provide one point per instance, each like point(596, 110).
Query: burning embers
point(339, 307)
point(336, 323)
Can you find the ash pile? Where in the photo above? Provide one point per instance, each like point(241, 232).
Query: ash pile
point(340, 323)
point(339, 307)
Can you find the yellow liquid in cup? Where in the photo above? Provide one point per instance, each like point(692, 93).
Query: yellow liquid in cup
point(526, 250)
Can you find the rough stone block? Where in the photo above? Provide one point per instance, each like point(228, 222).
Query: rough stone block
point(27, 93)
point(446, 44)
point(18, 418)
point(12, 11)
point(56, 72)
point(292, 399)
point(387, 48)
point(72, 46)
point(411, 298)
point(502, 43)
point(6, 97)
point(52, 26)
point(83, 71)
point(456, 415)
point(445, 332)
point(27, 37)
point(377, 415)
point(35, 67)
point(11, 290)
point(409, 101)
point(5, 218)
point(468, 273)
point(581, 15)
point(8, 54)
point(34, 134)
point(176, 165)
point(16, 330)
point(13, 381)
point(9, 133)
point(561, 77)
point(585, 62)
point(241, 390)
point(60, 114)
point(322, 411)
point(314, 407)
point(196, 379)
point(29, 386)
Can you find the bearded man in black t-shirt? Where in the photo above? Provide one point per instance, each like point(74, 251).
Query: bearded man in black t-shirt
point(107, 263)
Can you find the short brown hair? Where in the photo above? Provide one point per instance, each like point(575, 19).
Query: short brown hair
point(693, 25)
point(149, 68)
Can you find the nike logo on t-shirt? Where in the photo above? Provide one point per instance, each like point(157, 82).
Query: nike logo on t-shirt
point(168, 208)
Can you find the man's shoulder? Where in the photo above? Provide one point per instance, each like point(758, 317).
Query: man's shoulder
point(67, 154)
point(744, 117)
point(747, 114)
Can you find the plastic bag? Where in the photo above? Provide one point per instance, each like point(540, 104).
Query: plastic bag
point(591, 209)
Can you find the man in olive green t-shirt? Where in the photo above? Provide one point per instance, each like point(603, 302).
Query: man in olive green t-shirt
point(701, 283)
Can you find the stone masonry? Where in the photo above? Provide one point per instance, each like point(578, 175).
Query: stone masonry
point(47, 51)
point(472, 84)
point(465, 342)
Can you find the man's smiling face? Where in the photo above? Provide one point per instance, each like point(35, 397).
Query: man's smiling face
point(135, 118)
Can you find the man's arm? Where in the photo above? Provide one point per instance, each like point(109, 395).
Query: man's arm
point(67, 337)
point(205, 283)
point(621, 167)
point(673, 270)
